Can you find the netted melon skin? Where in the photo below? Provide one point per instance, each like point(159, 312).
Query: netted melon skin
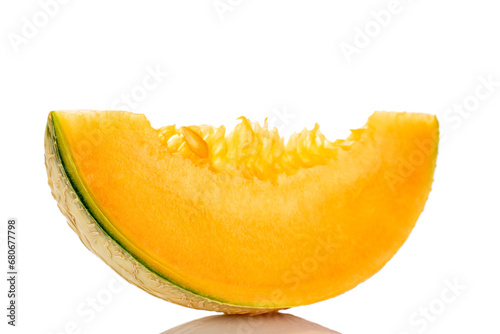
point(102, 245)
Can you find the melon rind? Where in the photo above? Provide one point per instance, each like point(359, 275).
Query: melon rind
point(107, 249)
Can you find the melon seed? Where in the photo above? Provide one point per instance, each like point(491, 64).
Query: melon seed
point(195, 142)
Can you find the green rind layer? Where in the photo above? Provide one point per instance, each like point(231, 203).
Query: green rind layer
point(98, 241)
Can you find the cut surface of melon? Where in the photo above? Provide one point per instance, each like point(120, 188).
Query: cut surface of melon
point(244, 219)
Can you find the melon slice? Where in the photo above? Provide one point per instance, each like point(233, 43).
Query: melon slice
point(240, 222)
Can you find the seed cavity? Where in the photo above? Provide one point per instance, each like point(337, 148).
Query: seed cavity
point(254, 151)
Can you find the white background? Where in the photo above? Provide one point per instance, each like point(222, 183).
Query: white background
point(259, 59)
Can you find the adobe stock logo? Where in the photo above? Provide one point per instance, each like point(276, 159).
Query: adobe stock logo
point(89, 310)
point(363, 36)
point(130, 100)
point(281, 117)
point(427, 314)
point(31, 26)
point(224, 7)
point(454, 116)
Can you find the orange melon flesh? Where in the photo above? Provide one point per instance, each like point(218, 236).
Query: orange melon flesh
point(281, 226)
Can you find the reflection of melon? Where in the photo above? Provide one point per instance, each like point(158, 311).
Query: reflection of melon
point(240, 223)
point(273, 323)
